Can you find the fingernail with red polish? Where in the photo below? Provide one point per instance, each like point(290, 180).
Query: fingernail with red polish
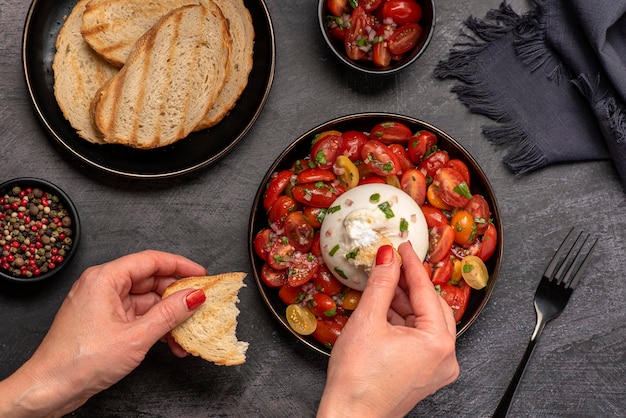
point(195, 299)
point(384, 255)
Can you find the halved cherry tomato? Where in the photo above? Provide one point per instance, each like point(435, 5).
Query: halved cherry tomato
point(451, 188)
point(319, 194)
point(300, 319)
point(281, 254)
point(391, 132)
point(479, 208)
point(442, 271)
point(379, 159)
point(371, 180)
point(326, 282)
point(322, 305)
point(315, 174)
point(405, 38)
point(356, 33)
point(302, 268)
point(299, 231)
point(434, 216)
point(347, 173)
point(431, 164)
point(474, 272)
point(488, 242)
point(263, 242)
point(290, 294)
point(413, 183)
point(434, 199)
point(302, 164)
point(402, 11)
point(326, 150)
point(315, 216)
point(338, 7)
point(351, 299)
point(272, 277)
point(279, 210)
point(440, 243)
point(457, 298)
point(370, 5)
point(275, 187)
point(380, 51)
point(316, 248)
point(464, 227)
point(420, 145)
point(461, 167)
point(328, 330)
point(353, 142)
point(403, 156)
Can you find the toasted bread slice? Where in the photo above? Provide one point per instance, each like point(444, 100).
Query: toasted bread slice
point(78, 74)
point(242, 33)
point(111, 27)
point(170, 80)
point(211, 332)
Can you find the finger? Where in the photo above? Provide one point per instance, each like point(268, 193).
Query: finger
point(401, 303)
point(449, 316)
point(381, 284)
point(175, 347)
point(168, 313)
point(425, 301)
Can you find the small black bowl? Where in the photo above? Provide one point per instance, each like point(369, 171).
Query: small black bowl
point(427, 23)
point(66, 249)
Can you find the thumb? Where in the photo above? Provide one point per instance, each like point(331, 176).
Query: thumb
point(382, 283)
point(170, 312)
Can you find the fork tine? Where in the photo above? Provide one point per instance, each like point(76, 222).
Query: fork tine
point(562, 276)
point(554, 263)
point(579, 273)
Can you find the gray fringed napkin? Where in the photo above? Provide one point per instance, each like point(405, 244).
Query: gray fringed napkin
point(555, 79)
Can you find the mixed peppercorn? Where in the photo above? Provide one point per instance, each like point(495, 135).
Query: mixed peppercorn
point(35, 232)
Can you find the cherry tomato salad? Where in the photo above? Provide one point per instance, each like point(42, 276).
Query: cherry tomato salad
point(378, 31)
point(462, 236)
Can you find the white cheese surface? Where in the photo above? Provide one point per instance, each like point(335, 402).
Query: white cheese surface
point(358, 219)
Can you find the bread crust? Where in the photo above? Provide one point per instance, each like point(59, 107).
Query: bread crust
point(211, 332)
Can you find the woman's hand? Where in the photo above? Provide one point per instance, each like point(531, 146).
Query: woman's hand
point(111, 317)
point(398, 346)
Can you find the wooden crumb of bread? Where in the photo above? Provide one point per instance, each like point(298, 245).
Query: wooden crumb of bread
point(170, 80)
point(78, 74)
point(211, 332)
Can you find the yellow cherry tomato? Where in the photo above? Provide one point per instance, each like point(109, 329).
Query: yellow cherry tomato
point(464, 227)
point(435, 200)
point(393, 181)
point(474, 272)
point(324, 134)
point(346, 171)
point(351, 299)
point(457, 271)
point(301, 320)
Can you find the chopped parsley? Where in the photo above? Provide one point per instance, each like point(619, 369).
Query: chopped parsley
point(341, 273)
point(463, 190)
point(375, 197)
point(404, 225)
point(352, 254)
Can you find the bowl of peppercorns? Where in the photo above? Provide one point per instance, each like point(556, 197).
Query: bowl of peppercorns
point(39, 230)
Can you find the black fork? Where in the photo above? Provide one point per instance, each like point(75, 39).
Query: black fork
point(555, 288)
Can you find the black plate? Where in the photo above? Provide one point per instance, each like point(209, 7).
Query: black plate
point(300, 148)
point(198, 150)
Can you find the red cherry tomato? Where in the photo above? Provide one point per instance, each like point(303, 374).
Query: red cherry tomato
point(312, 175)
point(461, 168)
point(314, 215)
point(299, 231)
point(279, 210)
point(457, 297)
point(353, 142)
point(378, 158)
point(405, 38)
point(380, 51)
point(320, 194)
point(434, 216)
point(290, 294)
point(328, 330)
point(338, 7)
point(391, 132)
point(272, 277)
point(275, 187)
point(326, 150)
point(434, 162)
point(442, 271)
point(451, 188)
point(372, 180)
point(316, 248)
point(402, 11)
point(403, 156)
point(322, 305)
point(370, 5)
point(420, 145)
point(479, 208)
point(326, 282)
point(263, 243)
point(281, 254)
point(413, 183)
point(355, 33)
point(302, 268)
point(440, 243)
point(488, 243)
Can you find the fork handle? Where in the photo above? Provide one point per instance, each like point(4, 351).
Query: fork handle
point(507, 398)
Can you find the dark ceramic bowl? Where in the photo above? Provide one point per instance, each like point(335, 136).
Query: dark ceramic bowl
point(64, 238)
point(427, 23)
point(300, 148)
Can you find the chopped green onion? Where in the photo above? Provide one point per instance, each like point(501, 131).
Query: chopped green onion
point(352, 254)
point(386, 208)
point(341, 273)
point(334, 250)
point(334, 209)
point(404, 225)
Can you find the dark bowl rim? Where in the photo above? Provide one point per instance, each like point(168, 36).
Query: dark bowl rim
point(371, 70)
point(487, 190)
point(76, 233)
